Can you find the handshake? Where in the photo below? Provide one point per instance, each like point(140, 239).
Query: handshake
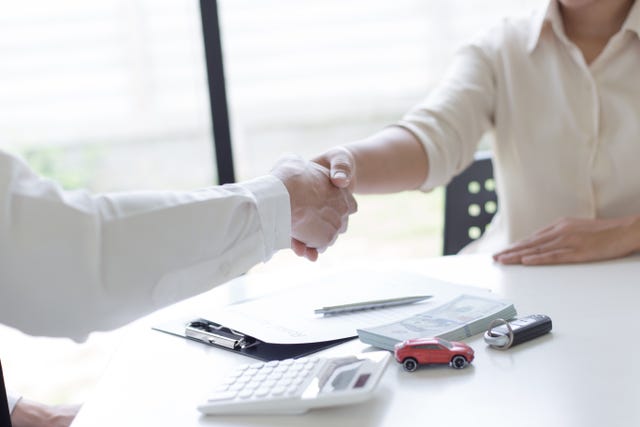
point(320, 192)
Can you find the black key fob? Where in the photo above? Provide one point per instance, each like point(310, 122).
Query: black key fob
point(503, 334)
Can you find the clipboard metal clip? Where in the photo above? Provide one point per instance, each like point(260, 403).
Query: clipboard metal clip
point(213, 333)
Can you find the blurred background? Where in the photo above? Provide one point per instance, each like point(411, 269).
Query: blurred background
point(112, 96)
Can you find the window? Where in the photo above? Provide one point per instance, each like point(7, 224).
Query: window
point(106, 95)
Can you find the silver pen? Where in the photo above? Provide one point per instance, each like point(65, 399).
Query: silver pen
point(367, 305)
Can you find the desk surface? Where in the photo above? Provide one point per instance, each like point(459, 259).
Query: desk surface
point(582, 374)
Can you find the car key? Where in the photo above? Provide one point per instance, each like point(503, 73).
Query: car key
point(503, 334)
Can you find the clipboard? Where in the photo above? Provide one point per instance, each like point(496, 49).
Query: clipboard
point(216, 335)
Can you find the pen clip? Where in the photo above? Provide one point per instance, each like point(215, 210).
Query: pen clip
point(213, 333)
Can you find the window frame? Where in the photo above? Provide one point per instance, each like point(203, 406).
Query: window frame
point(217, 91)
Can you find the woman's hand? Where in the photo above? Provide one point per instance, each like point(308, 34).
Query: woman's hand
point(572, 240)
point(341, 165)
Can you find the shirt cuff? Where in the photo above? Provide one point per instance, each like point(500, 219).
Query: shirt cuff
point(274, 209)
point(437, 175)
point(13, 401)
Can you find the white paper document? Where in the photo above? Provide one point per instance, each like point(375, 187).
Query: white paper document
point(288, 317)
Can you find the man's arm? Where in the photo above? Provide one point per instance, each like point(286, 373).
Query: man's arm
point(72, 263)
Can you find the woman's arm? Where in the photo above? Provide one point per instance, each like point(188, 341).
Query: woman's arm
point(432, 143)
point(389, 161)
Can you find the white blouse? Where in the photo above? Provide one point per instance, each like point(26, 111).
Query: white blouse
point(567, 134)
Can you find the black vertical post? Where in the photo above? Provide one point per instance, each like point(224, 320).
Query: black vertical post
point(217, 91)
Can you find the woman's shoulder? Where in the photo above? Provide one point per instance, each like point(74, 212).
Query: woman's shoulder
point(508, 34)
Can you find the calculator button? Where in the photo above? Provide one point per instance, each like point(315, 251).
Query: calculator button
point(260, 377)
point(236, 387)
point(305, 372)
point(252, 384)
point(225, 395)
point(286, 362)
point(244, 379)
point(276, 375)
point(269, 383)
point(272, 363)
point(266, 370)
point(221, 388)
point(261, 392)
point(228, 380)
point(278, 391)
point(297, 381)
point(251, 387)
point(284, 381)
point(245, 394)
point(292, 390)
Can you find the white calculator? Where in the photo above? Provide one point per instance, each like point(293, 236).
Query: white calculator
point(293, 386)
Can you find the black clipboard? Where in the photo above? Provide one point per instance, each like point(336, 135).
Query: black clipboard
point(216, 335)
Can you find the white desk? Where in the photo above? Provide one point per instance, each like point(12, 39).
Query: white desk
point(585, 373)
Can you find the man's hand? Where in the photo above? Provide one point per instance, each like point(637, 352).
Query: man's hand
point(319, 210)
point(573, 240)
point(33, 414)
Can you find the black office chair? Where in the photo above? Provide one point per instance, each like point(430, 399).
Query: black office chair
point(470, 203)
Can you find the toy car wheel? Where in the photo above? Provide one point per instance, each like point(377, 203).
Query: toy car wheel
point(410, 364)
point(458, 362)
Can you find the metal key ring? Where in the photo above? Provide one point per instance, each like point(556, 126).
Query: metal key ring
point(500, 322)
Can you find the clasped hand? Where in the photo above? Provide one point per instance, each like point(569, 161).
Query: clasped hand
point(319, 209)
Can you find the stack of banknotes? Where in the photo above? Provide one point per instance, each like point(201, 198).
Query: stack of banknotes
point(455, 320)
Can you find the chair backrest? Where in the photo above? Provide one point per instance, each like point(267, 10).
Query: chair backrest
point(5, 415)
point(470, 203)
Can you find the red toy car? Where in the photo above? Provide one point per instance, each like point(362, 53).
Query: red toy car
point(420, 351)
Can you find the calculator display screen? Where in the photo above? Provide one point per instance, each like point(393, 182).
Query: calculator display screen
point(341, 377)
point(362, 380)
point(347, 374)
point(341, 374)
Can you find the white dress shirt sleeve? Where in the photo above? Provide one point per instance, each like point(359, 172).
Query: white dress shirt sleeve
point(13, 400)
point(72, 263)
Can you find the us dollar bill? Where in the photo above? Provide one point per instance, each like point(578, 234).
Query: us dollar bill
point(460, 318)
